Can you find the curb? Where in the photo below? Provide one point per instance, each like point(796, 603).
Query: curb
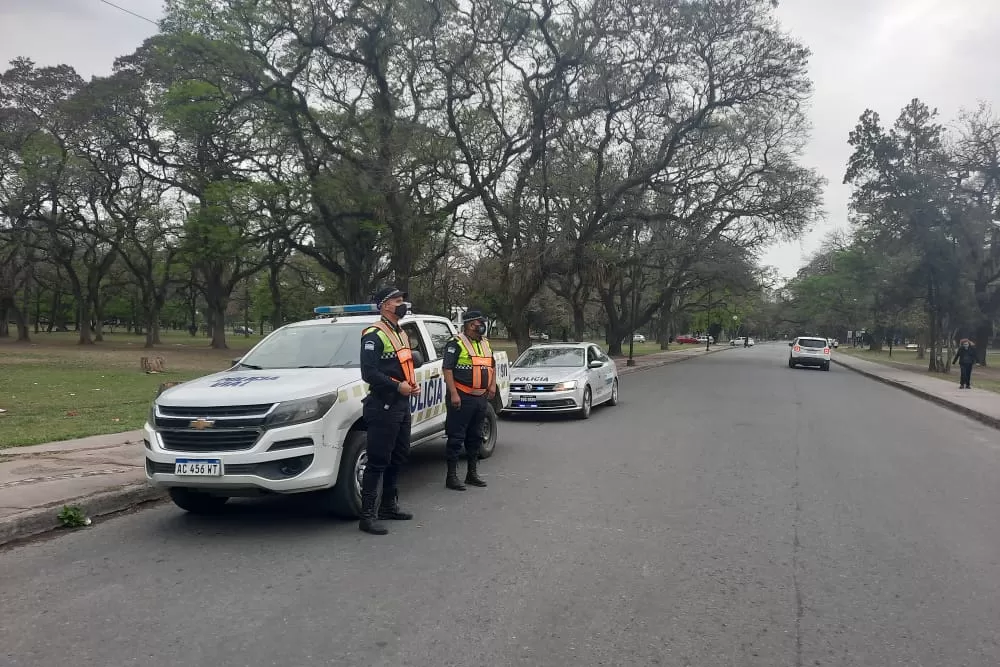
point(943, 402)
point(41, 520)
point(626, 370)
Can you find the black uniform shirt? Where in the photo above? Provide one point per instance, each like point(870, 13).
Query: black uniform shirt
point(965, 356)
point(379, 366)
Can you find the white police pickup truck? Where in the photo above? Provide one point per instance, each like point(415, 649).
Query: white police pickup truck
point(286, 418)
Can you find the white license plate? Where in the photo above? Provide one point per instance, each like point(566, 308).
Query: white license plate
point(198, 467)
point(527, 398)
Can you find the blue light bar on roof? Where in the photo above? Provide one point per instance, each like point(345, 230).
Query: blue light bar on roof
point(349, 309)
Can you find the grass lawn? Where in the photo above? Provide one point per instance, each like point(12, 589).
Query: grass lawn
point(52, 389)
point(982, 378)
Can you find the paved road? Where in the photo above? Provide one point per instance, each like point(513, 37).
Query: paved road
point(729, 512)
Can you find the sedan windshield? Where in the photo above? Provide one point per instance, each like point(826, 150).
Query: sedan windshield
point(550, 357)
point(313, 346)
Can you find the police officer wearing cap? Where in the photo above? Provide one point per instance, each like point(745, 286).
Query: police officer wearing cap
point(470, 375)
point(387, 365)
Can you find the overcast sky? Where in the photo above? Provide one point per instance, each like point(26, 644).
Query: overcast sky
point(866, 53)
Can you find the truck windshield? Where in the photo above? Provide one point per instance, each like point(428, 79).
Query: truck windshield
point(335, 345)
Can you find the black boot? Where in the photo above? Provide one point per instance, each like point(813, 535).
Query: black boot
point(452, 481)
point(389, 509)
point(472, 476)
point(369, 497)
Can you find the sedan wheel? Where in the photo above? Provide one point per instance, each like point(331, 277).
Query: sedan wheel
point(588, 401)
point(614, 393)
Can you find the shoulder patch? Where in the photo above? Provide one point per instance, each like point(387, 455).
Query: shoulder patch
point(369, 345)
point(451, 348)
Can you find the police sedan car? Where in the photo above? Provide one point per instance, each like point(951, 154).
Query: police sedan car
point(562, 377)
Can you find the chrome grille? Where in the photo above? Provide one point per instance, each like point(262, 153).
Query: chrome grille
point(231, 428)
point(532, 386)
point(209, 440)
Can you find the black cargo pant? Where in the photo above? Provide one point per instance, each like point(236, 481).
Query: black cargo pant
point(464, 426)
point(388, 444)
point(966, 374)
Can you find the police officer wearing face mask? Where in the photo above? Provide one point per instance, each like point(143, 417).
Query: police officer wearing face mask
point(387, 366)
point(470, 375)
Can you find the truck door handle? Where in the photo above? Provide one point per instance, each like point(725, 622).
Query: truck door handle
point(435, 376)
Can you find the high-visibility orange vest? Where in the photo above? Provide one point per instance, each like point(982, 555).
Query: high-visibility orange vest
point(479, 363)
point(401, 346)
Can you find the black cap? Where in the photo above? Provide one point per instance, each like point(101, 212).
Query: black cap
point(385, 294)
point(472, 316)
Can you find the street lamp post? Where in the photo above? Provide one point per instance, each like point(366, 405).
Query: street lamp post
point(708, 332)
point(635, 298)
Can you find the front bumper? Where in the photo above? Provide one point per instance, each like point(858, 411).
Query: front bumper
point(292, 459)
point(569, 400)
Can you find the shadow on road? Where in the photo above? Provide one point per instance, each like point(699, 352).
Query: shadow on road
point(280, 514)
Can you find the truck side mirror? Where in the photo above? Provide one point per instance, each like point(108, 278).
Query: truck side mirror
point(418, 358)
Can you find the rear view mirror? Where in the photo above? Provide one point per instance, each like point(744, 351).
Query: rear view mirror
point(596, 363)
point(790, 344)
point(235, 361)
point(418, 358)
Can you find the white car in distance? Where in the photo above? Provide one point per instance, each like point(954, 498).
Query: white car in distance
point(809, 351)
point(562, 377)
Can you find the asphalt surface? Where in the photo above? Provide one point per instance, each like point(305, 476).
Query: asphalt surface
point(730, 511)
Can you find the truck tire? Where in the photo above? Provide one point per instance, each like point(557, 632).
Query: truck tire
point(344, 499)
point(491, 426)
point(197, 502)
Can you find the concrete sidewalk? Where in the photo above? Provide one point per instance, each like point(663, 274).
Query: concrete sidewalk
point(104, 474)
point(981, 405)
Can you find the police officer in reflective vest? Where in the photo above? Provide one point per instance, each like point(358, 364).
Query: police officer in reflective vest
point(387, 366)
point(470, 375)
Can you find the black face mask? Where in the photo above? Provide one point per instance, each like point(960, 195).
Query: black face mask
point(400, 310)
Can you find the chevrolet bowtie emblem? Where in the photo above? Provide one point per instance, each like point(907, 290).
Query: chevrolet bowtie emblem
point(201, 424)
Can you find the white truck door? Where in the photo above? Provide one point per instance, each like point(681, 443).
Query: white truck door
point(429, 408)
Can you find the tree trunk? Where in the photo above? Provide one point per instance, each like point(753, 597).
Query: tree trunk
point(4, 327)
point(98, 320)
point(38, 308)
point(984, 334)
point(934, 363)
point(149, 306)
point(519, 331)
point(274, 285)
point(86, 335)
point(216, 300)
point(579, 323)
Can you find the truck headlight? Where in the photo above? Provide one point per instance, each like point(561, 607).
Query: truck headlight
point(301, 411)
point(563, 386)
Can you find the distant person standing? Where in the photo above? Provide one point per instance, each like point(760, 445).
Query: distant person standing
point(965, 357)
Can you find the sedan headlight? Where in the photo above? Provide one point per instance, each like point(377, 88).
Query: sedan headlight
point(563, 386)
point(301, 411)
